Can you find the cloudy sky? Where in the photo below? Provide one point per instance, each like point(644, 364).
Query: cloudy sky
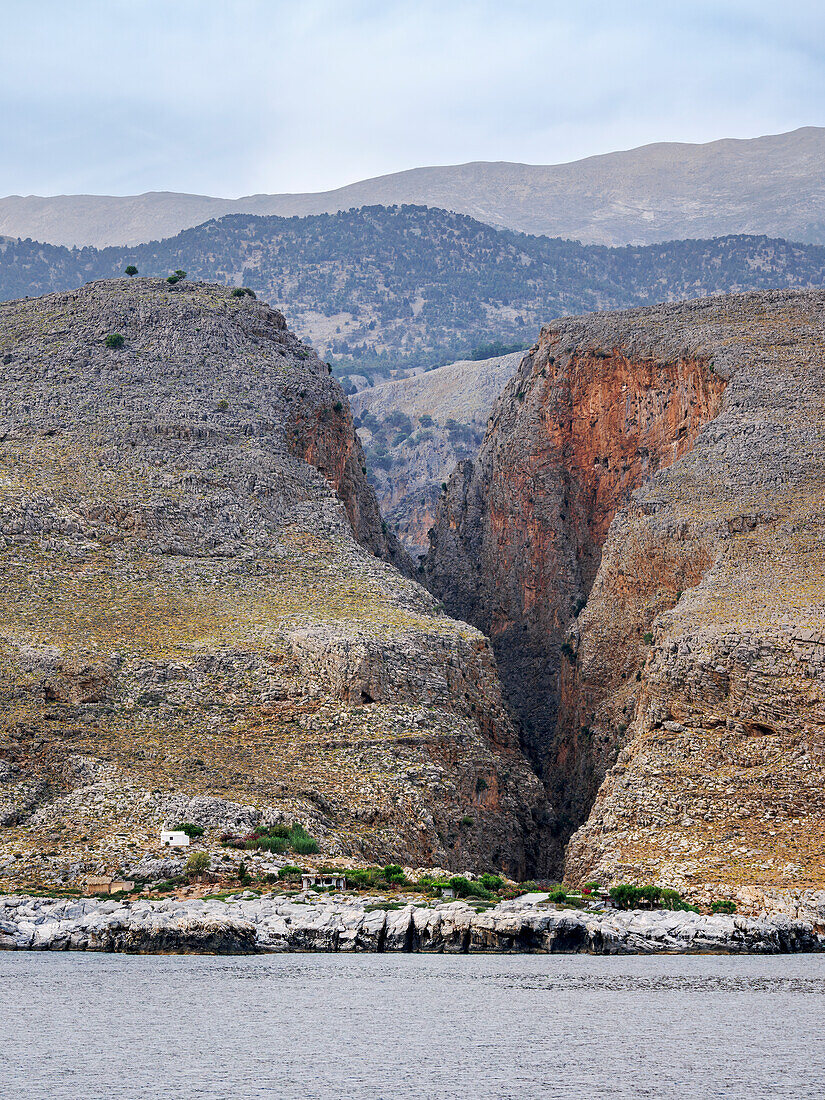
point(231, 97)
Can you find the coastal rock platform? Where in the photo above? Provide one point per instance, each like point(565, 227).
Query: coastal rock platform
point(250, 925)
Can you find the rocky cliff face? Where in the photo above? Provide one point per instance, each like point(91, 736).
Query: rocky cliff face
point(193, 628)
point(641, 536)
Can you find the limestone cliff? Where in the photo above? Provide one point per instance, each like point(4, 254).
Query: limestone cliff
point(642, 537)
point(191, 627)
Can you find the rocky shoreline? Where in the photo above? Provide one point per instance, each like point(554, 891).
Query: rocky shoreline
point(250, 925)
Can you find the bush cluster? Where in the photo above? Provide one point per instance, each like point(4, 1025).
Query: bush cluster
point(274, 838)
point(370, 878)
point(627, 896)
point(469, 888)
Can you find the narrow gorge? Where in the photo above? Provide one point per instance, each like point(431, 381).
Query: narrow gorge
point(641, 538)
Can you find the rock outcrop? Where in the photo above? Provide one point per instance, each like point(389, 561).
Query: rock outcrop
point(195, 623)
point(642, 538)
point(268, 924)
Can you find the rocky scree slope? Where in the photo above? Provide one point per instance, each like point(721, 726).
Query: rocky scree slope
point(195, 622)
point(414, 432)
point(642, 537)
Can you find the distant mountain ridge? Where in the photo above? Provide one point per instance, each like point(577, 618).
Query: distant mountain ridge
point(384, 288)
point(772, 185)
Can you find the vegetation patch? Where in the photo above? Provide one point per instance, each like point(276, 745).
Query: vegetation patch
point(274, 838)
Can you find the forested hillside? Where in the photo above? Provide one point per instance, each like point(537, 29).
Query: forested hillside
point(383, 287)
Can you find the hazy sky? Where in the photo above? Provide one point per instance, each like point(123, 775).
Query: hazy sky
point(230, 97)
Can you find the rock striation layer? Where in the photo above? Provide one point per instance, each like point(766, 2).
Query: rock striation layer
point(195, 620)
point(642, 537)
point(340, 924)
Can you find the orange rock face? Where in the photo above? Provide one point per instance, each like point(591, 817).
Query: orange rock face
point(570, 439)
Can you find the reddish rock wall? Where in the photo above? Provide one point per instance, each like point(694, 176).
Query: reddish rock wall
point(518, 542)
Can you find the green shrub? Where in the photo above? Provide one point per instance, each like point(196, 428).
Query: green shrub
point(648, 638)
point(394, 875)
point(197, 863)
point(192, 831)
point(491, 882)
point(301, 841)
point(243, 292)
point(558, 894)
point(465, 888)
point(723, 905)
point(114, 340)
point(290, 871)
point(467, 820)
point(624, 896)
point(170, 883)
point(651, 894)
point(131, 270)
point(672, 899)
point(363, 878)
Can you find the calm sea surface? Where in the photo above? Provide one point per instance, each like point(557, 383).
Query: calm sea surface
point(410, 1026)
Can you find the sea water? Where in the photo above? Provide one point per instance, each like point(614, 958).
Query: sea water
point(83, 1026)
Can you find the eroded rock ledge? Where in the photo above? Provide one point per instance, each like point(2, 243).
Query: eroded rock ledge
point(272, 925)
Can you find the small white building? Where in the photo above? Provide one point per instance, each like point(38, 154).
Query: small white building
point(312, 879)
point(174, 838)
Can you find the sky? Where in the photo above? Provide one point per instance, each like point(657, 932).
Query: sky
point(239, 97)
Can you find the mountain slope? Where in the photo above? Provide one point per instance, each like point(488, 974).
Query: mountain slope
point(415, 430)
point(772, 185)
point(192, 627)
point(388, 287)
